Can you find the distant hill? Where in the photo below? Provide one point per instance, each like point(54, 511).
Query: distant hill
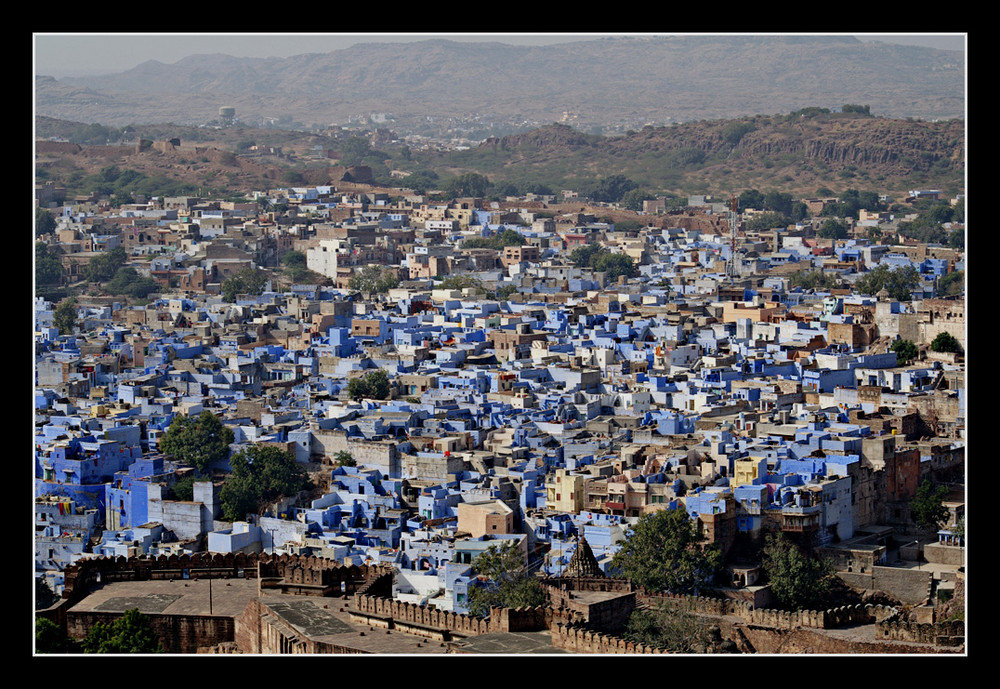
point(624, 82)
point(797, 153)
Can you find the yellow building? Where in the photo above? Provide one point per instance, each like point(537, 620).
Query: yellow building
point(564, 492)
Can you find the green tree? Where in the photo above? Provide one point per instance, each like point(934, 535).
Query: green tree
point(462, 282)
point(633, 199)
point(183, 488)
point(905, 350)
point(581, 256)
point(734, 132)
point(48, 268)
point(509, 237)
point(505, 581)
point(951, 284)
point(199, 441)
point(374, 280)
point(927, 508)
point(612, 189)
point(121, 198)
point(293, 259)
point(666, 626)
point(51, 638)
point(761, 222)
point(503, 293)
point(945, 342)
point(127, 281)
point(614, 265)
point(372, 385)
point(813, 279)
point(751, 198)
point(663, 552)
point(345, 459)
point(798, 581)
point(45, 222)
point(833, 229)
point(628, 226)
point(130, 633)
point(64, 317)
point(261, 474)
point(899, 282)
point(104, 266)
point(956, 239)
point(246, 281)
point(469, 184)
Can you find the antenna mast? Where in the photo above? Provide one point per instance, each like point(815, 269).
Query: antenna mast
point(731, 266)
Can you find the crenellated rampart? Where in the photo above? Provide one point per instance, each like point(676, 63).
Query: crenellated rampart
point(295, 573)
point(373, 606)
point(370, 589)
point(773, 618)
point(948, 633)
point(578, 639)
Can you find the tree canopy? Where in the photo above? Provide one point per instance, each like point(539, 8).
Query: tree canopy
point(663, 553)
point(945, 342)
point(45, 222)
point(927, 507)
point(197, 440)
point(51, 638)
point(261, 474)
point(667, 627)
point(246, 281)
point(798, 581)
point(104, 266)
point(48, 268)
point(64, 317)
point(372, 385)
point(130, 633)
point(601, 260)
point(374, 279)
point(612, 189)
point(898, 282)
point(905, 350)
point(128, 282)
point(508, 581)
point(832, 229)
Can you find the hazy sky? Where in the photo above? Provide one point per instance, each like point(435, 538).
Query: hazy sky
point(61, 55)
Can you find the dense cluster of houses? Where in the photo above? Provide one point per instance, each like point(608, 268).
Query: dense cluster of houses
point(560, 408)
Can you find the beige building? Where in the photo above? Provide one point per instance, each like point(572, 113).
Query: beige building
point(484, 518)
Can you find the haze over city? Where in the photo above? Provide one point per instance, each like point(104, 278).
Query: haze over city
point(68, 54)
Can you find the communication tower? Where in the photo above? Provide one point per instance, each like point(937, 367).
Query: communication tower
point(732, 265)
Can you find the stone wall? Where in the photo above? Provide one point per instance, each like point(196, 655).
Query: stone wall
point(381, 455)
point(945, 554)
point(85, 573)
point(256, 631)
point(373, 608)
point(578, 639)
point(949, 633)
point(773, 618)
point(177, 633)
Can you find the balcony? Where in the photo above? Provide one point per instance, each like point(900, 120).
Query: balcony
point(800, 519)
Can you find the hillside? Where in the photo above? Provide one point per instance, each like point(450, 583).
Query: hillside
point(797, 154)
point(791, 154)
point(608, 84)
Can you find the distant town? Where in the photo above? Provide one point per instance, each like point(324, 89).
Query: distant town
point(339, 419)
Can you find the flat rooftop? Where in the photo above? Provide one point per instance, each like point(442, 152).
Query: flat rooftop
point(325, 619)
